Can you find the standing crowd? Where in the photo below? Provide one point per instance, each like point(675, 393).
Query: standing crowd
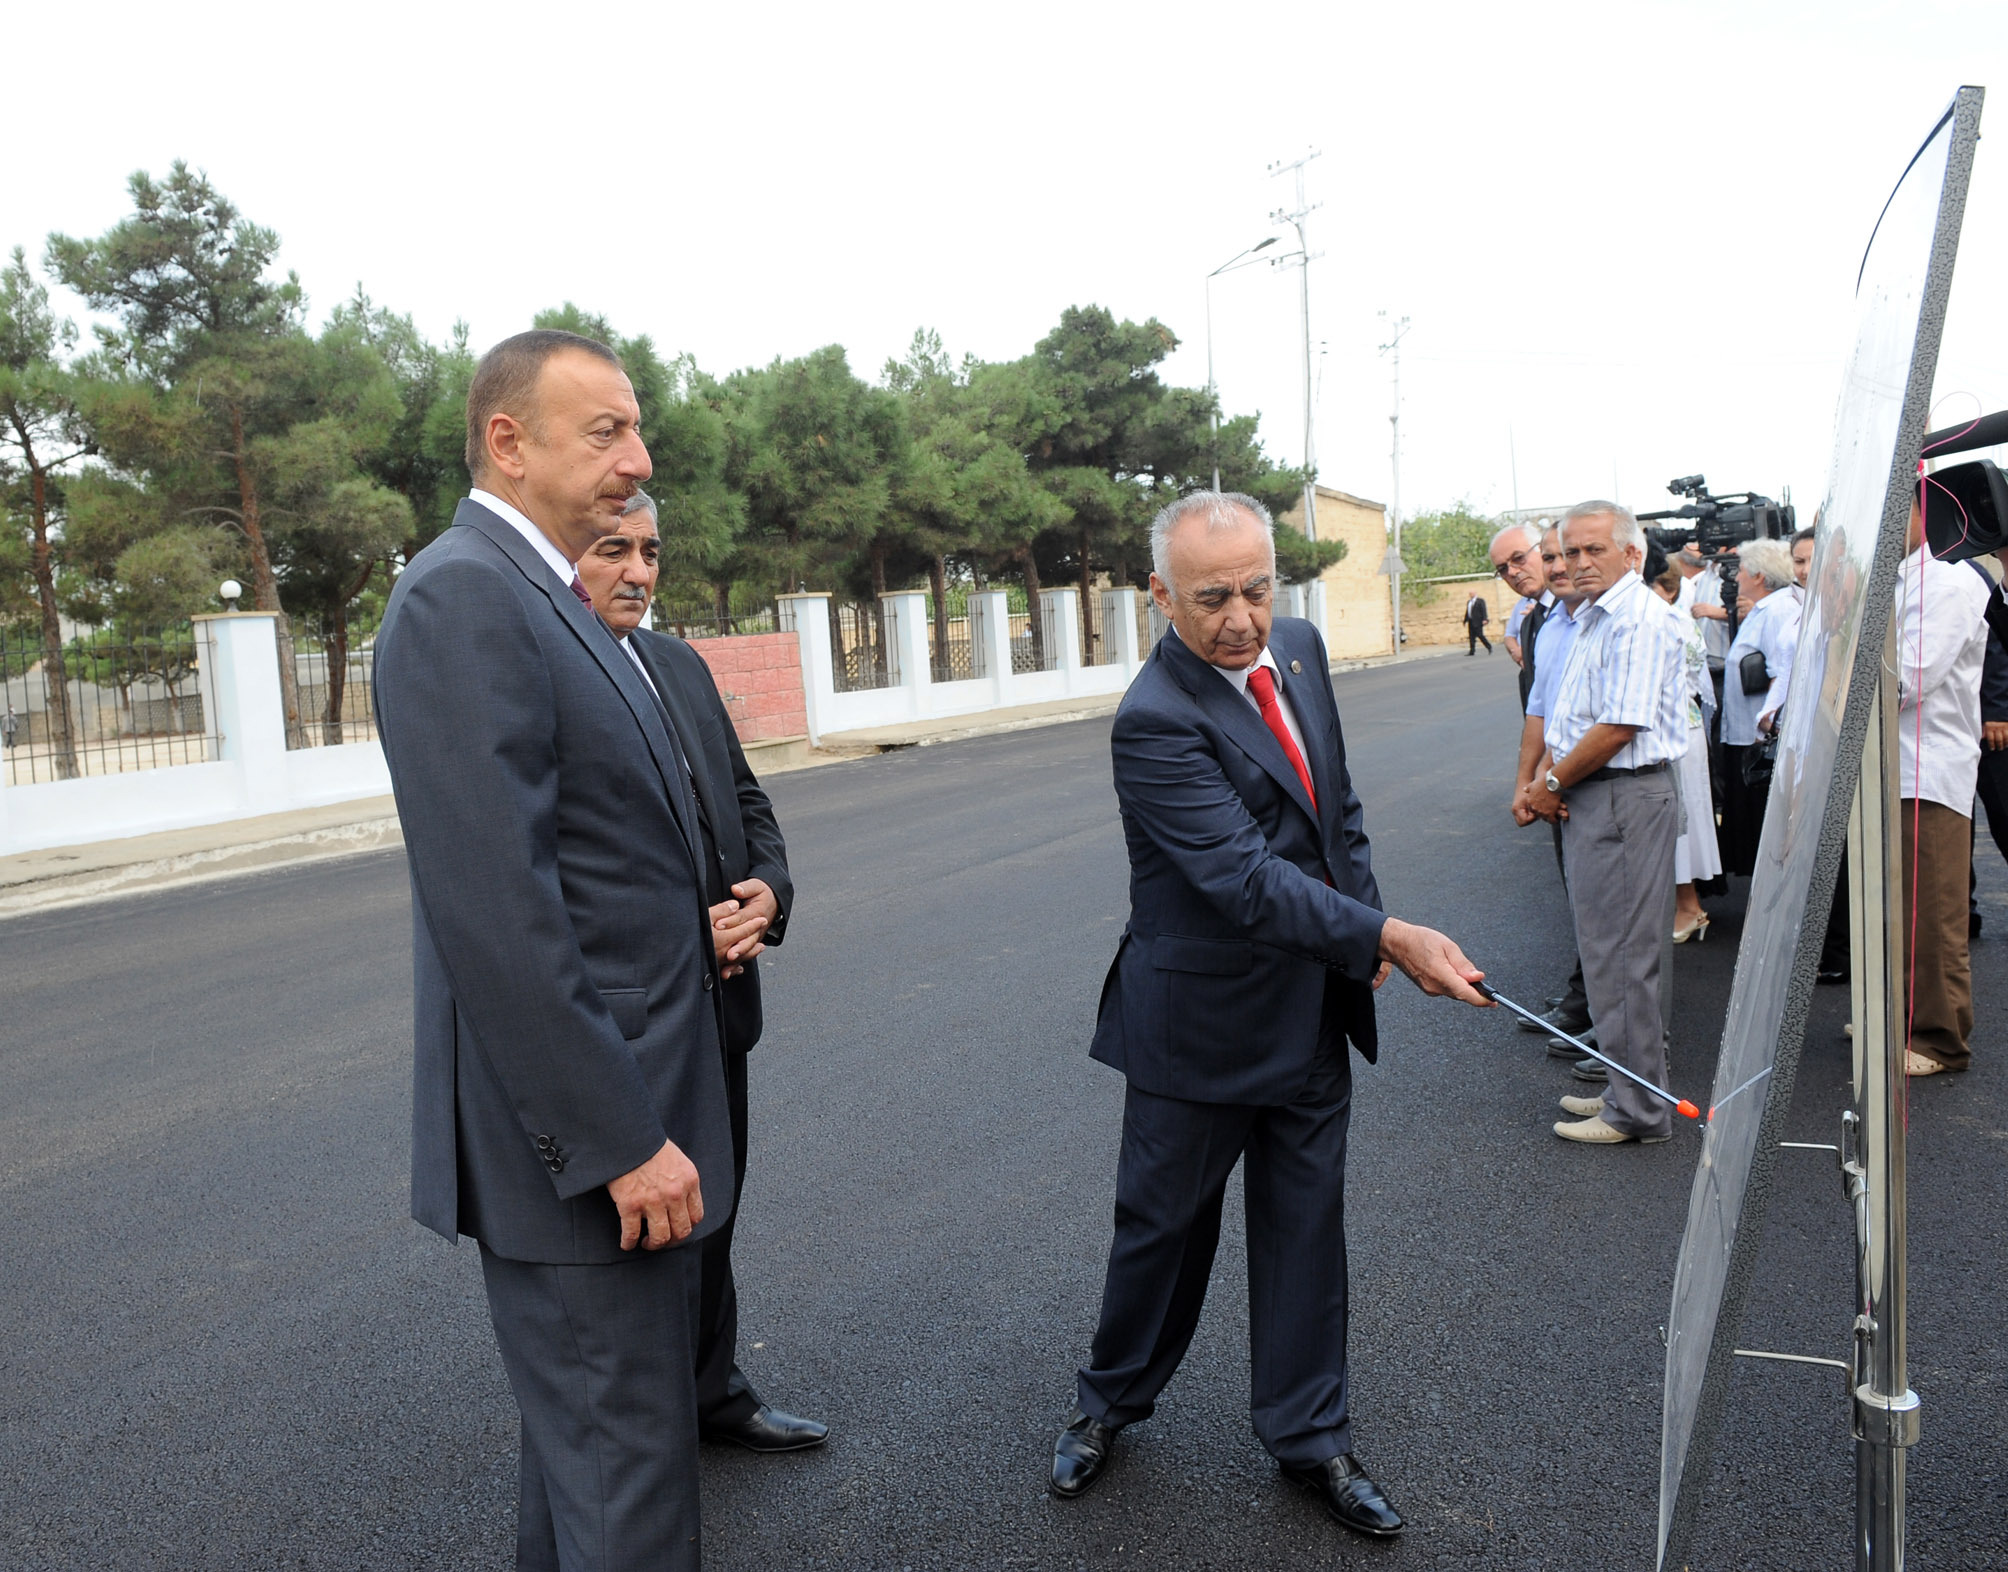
point(1653, 690)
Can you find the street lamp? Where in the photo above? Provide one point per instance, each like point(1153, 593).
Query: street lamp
point(230, 590)
point(1238, 259)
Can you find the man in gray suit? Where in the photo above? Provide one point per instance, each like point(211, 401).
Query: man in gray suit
point(569, 1106)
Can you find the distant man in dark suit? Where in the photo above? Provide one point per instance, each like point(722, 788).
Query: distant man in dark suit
point(750, 896)
point(1475, 617)
point(1254, 944)
point(569, 1098)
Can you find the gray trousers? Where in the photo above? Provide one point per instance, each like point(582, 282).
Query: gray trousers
point(600, 1359)
point(1618, 845)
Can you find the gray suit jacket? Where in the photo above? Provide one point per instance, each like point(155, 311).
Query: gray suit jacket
point(567, 1004)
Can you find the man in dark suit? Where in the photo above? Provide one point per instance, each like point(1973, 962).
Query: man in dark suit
point(569, 1096)
point(1254, 944)
point(750, 896)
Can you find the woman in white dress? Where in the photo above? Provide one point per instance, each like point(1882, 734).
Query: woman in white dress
point(1695, 854)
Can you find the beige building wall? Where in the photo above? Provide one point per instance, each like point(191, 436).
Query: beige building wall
point(1442, 621)
point(1359, 615)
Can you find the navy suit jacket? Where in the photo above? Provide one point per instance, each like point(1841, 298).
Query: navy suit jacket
point(741, 818)
point(567, 1004)
point(1254, 919)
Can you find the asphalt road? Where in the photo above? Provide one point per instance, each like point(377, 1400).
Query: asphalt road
point(226, 1346)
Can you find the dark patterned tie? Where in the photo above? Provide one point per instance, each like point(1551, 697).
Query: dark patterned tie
point(579, 590)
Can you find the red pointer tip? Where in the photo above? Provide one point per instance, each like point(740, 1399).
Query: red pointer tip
point(1688, 1108)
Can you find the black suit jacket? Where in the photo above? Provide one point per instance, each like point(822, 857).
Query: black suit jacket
point(742, 819)
point(567, 1005)
point(1254, 920)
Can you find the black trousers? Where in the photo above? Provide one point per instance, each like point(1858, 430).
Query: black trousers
point(724, 1395)
point(1477, 637)
point(1170, 1185)
point(599, 1358)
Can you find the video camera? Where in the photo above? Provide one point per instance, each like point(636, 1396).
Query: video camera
point(1966, 505)
point(1721, 524)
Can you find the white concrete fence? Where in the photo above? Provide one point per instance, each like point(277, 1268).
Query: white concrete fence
point(249, 770)
point(913, 694)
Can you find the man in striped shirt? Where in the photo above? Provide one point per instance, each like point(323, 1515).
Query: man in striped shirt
point(1617, 723)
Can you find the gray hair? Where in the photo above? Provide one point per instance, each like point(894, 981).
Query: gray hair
point(642, 502)
point(1532, 534)
point(1220, 510)
point(1769, 560)
point(1625, 531)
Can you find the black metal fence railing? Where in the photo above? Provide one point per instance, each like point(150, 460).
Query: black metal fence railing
point(1029, 653)
point(703, 622)
point(104, 701)
point(858, 648)
point(332, 693)
point(954, 660)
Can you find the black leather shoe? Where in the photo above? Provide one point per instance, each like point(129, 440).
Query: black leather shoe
point(1350, 1495)
point(1589, 1070)
point(1556, 1021)
point(1558, 1049)
point(1081, 1454)
point(769, 1430)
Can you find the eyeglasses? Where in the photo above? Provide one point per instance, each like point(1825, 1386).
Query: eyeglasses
point(1512, 562)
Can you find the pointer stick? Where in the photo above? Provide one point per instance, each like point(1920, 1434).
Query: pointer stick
point(1681, 1104)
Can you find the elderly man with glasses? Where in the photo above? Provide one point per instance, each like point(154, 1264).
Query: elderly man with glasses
point(1516, 558)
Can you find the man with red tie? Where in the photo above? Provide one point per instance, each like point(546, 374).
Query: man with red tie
point(1255, 942)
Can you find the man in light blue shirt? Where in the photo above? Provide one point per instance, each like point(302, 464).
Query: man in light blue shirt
point(1615, 725)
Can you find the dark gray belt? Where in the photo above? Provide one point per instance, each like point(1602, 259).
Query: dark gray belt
point(1611, 772)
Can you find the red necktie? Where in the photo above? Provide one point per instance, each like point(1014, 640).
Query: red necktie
point(579, 590)
point(1262, 683)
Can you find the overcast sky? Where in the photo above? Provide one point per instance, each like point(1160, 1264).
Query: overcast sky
point(1626, 236)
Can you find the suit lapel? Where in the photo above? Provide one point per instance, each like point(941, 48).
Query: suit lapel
point(1308, 704)
point(1236, 715)
point(684, 719)
point(605, 649)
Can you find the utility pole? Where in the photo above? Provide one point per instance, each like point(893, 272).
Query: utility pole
point(1240, 259)
point(1393, 347)
point(1304, 258)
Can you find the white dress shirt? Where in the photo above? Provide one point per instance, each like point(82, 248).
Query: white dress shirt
point(1714, 631)
point(553, 558)
point(1238, 681)
point(1941, 610)
point(1771, 629)
point(1625, 669)
point(539, 541)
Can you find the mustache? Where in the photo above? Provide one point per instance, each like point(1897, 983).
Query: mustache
point(630, 592)
point(623, 491)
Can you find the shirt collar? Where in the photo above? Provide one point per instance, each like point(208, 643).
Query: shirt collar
point(1619, 596)
point(522, 525)
point(1238, 679)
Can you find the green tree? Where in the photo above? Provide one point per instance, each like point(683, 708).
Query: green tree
point(424, 457)
point(198, 320)
point(41, 433)
point(965, 494)
point(1444, 543)
point(817, 454)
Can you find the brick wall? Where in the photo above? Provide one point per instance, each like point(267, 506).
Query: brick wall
point(759, 676)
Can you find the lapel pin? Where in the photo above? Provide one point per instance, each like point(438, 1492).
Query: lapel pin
point(1296, 668)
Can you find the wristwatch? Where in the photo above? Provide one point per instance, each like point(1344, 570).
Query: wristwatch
point(1553, 785)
